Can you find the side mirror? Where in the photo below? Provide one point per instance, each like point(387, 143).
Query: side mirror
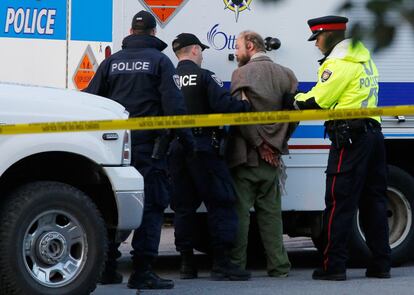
point(272, 43)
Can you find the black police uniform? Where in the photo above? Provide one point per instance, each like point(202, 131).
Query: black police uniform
point(204, 177)
point(144, 81)
point(356, 171)
point(356, 178)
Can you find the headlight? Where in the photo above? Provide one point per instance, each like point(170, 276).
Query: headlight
point(126, 150)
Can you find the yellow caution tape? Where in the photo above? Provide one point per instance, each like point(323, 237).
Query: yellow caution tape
point(169, 122)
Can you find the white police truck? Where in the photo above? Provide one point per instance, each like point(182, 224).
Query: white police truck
point(59, 192)
point(61, 42)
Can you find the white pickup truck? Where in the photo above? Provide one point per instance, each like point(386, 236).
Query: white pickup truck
point(59, 192)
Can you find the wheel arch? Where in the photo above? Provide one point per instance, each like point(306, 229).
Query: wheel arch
point(65, 167)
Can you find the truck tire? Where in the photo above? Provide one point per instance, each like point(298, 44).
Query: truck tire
point(52, 241)
point(400, 219)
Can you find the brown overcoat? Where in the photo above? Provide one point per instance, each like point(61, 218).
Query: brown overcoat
point(264, 83)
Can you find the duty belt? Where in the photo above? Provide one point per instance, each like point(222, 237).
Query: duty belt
point(343, 133)
point(356, 125)
point(364, 124)
point(204, 131)
point(218, 139)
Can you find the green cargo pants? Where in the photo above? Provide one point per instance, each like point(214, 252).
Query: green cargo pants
point(257, 187)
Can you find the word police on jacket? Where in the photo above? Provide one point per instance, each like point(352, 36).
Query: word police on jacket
point(130, 66)
point(188, 80)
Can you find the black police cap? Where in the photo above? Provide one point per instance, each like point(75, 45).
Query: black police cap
point(326, 23)
point(186, 39)
point(143, 20)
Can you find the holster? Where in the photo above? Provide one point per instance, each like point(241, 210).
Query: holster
point(343, 133)
point(339, 132)
point(223, 145)
point(218, 137)
point(219, 140)
point(161, 145)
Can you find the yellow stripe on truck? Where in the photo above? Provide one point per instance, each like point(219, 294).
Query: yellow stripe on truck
point(188, 121)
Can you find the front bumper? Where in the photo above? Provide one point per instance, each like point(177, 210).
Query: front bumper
point(128, 186)
point(130, 209)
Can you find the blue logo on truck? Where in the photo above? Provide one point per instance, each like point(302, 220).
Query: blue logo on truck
point(44, 19)
point(220, 40)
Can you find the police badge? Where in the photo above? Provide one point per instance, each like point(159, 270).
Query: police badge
point(326, 75)
point(177, 82)
point(217, 80)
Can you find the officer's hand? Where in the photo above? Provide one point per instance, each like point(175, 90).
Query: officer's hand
point(288, 101)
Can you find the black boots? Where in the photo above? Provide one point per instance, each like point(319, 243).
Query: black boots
point(188, 269)
point(379, 268)
point(148, 280)
point(144, 278)
point(110, 275)
point(320, 274)
point(229, 271)
point(379, 274)
point(224, 269)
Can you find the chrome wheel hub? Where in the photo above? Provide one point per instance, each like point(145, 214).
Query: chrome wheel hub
point(55, 248)
point(52, 247)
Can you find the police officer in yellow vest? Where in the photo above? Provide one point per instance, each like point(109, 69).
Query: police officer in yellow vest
point(356, 175)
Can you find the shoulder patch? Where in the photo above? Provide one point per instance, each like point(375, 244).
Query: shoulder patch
point(176, 79)
point(217, 80)
point(326, 75)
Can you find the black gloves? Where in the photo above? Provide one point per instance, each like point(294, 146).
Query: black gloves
point(288, 101)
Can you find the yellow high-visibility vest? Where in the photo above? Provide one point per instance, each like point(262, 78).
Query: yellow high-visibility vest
point(348, 79)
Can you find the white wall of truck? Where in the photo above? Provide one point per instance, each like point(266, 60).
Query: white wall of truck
point(53, 60)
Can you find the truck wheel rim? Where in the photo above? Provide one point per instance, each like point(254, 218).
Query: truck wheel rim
point(54, 249)
point(399, 217)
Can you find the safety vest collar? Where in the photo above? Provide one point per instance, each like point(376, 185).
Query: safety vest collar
point(345, 50)
point(340, 50)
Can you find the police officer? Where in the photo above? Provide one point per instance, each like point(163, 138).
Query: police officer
point(356, 172)
point(143, 79)
point(204, 176)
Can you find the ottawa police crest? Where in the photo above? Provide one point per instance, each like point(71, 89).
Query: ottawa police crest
point(237, 6)
point(326, 75)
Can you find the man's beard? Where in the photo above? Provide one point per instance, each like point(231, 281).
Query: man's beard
point(242, 60)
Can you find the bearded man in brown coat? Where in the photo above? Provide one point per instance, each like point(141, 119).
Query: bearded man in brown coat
point(254, 151)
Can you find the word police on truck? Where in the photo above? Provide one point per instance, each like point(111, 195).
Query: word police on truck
point(30, 21)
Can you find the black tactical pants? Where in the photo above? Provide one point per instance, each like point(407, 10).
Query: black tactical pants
point(203, 177)
point(146, 239)
point(357, 178)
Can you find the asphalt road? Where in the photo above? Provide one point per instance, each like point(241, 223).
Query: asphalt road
point(304, 259)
